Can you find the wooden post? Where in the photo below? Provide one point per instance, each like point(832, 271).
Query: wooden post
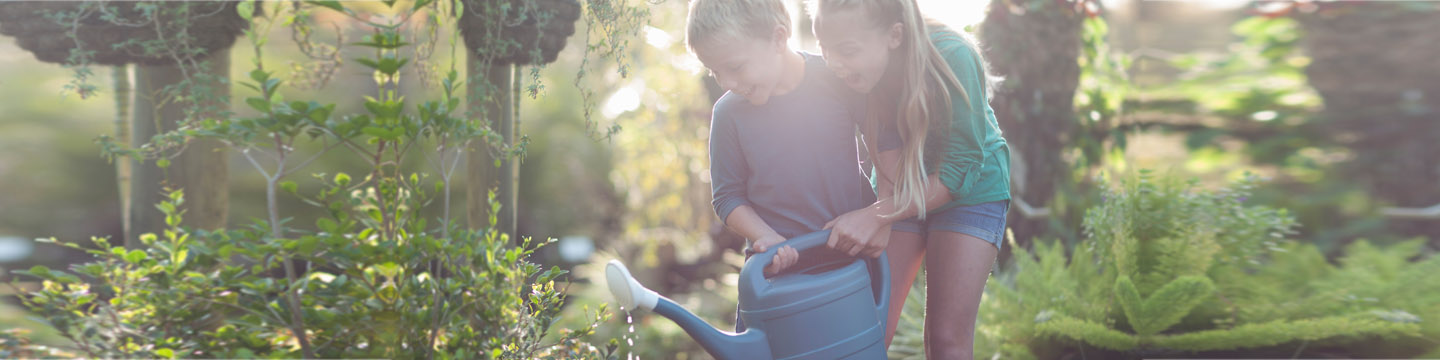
point(123, 99)
point(481, 172)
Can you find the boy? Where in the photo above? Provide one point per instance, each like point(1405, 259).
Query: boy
point(782, 138)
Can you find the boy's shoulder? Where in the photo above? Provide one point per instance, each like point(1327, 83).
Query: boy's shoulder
point(730, 104)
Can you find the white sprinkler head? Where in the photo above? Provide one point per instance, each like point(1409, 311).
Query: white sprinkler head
point(627, 290)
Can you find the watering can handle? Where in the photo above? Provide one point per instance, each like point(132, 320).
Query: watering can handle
point(754, 271)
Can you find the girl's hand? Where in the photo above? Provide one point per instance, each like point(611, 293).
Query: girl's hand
point(859, 231)
point(882, 239)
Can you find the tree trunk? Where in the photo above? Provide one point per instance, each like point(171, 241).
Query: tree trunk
point(1036, 52)
point(201, 170)
point(493, 98)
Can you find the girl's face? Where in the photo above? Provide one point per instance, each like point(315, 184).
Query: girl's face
point(856, 49)
point(748, 67)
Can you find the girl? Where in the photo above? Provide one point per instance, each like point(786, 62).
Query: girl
point(941, 164)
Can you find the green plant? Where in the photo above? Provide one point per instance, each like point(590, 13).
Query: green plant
point(1167, 268)
point(386, 271)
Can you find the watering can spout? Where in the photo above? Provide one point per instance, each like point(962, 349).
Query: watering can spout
point(750, 344)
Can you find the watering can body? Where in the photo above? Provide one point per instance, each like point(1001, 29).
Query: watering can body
point(832, 310)
point(825, 312)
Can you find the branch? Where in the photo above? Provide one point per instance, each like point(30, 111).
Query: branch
point(327, 148)
point(1427, 213)
point(257, 165)
point(1029, 212)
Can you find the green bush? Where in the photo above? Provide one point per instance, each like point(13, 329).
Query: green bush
point(1169, 269)
point(197, 294)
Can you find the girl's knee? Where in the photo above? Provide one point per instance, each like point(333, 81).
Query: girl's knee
point(949, 346)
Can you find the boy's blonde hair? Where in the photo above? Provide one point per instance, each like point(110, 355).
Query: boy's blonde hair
point(729, 20)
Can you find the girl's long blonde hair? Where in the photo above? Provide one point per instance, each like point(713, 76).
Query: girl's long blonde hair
point(923, 102)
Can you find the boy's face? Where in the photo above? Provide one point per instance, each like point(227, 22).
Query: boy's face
point(854, 48)
point(743, 65)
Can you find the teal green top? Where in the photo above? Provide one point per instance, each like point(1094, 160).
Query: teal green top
point(974, 159)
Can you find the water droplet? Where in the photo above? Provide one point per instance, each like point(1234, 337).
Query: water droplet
point(629, 336)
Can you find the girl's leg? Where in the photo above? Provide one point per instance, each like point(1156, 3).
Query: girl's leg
point(957, 268)
point(907, 252)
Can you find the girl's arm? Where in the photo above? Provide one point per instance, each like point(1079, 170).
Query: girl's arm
point(867, 229)
point(960, 161)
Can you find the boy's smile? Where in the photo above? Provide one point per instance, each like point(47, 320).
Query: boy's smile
point(751, 68)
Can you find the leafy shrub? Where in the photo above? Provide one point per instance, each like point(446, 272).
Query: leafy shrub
point(1168, 269)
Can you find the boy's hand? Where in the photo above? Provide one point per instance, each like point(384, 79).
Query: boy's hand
point(765, 242)
point(784, 258)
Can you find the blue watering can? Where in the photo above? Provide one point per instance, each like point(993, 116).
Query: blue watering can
point(833, 310)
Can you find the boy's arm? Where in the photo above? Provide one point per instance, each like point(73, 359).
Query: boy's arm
point(728, 174)
point(744, 221)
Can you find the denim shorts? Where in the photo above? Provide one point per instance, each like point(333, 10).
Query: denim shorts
point(985, 221)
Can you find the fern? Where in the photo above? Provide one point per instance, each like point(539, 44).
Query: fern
point(1166, 267)
point(1281, 332)
point(1163, 308)
point(1086, 331)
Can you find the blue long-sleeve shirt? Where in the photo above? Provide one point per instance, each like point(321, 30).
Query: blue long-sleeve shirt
point(793, 159)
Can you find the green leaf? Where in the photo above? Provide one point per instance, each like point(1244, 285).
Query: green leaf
point(388, 269)
point(196, 277)
point(165, 353)
point(369, 63)
point(246, 9)
point(1166, 307)
point(377, 132)
point(308, 245)
point(1086, 331)
point(136, 256)
point(162, 163)
point(420, 4)
point(260, 76)
point(289, 186)
point(39, 271)
point(389, 66)
point(342, 179)
point(327, 225)
point(331, 4)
